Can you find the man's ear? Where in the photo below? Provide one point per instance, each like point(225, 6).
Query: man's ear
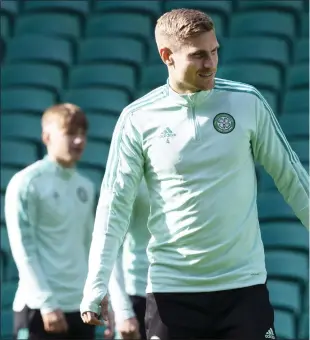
point(166, 56)
point(45, 137)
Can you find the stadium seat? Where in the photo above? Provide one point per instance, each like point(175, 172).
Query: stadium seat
point(301, 147)
point(6, 324)
point(98, 100)
point(9, 7)
point(2, 211)
point(285, 295)
point(17, 154)
point(38, 48)
point(305, 25)
point(78, 8)
point(285, 236)
point(295, 126)
point(101, 126)
point(304, 326)
point(5, 26)
point(302, 51)
point(26, 100)
point(151, 8)
point(284, 325)
point(134, 25)
point(50, 24)
point(49, 77)
point(153, 75)
point(265, 181)
point(2, 49)
point(267, 50)
point(298, 76)
point(287, 265)
point(6, 176)
point(95, 155)
point(95, 175)
point(111, 49)
point(5, 244)
point(109, 75)
point(8, 290)
point(21, 126)
point(272, 99)
point(277, 24)
point(296, 100)
point(272, 207)
point(153, 56)
point(259, 75)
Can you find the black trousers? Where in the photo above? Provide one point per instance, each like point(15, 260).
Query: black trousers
point(244, 314)
point(139, 306)
point(31, 321)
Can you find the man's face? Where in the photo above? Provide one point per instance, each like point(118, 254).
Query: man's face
point(65, 144)
point(195, 63)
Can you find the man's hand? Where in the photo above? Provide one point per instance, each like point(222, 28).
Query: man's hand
point(92, 318)
point(129, 329)
point(55, 322)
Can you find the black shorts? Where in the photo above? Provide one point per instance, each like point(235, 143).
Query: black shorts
point(244, 313)
point(139, 306)
point(30, 320)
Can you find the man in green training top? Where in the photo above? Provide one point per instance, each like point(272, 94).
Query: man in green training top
point(49, 210)
point(195, 140)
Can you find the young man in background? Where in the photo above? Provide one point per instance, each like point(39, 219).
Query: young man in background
point(49, 210)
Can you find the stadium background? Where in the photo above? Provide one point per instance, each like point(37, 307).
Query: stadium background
point(101, 55)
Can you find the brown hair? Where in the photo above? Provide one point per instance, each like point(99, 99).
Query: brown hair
point(66, 115)
point(181, 24)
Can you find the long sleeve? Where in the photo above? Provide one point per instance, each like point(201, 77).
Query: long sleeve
point(272, 150)
point(118, 191)
point(21, 220)
point(120, 300)
point(89, 227)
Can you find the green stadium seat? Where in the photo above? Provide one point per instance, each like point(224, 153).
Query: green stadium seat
point(98, 100)
point(267, 50)
point(95, 175)
point(95, 155)
point(259, 75)
point(302, 51)
point(37, 48)
point(133, 25)
point(285, 236)
point(8, 290)
point(278, 24)
point(9, 7)
point(49, 24)
point(272, 207)
point(2, 49)
point(153, 75)
point(298, 76)
point(153, 56)
point(21, 126)
point(101, 126)
point(5, 177)
point(285, 326)
point(265, 181)
point(271, 98)
point(17, 154)
point(295, 126)
point(296, 100)
point(5, 26)
point(287, 265)
point(151, 8)
point(303, 331)
point(26, 100)
point(305, 25)
point(6, 324)
point(111, 49)
point(5, 244)
point(109, 75)
point(78, 8)
point(301, 147)
point(49, 77)
point(285, 295)
point(2, 217)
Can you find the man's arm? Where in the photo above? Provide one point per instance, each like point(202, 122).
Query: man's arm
point(272, 150)
point(89, 227)
point(21, 221)
point(120, 300)
point(118, 191)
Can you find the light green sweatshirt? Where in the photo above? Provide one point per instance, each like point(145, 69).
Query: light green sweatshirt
point(197, 153)
point(49, 216)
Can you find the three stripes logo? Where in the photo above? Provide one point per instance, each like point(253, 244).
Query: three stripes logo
point(167, 133)
point(270, 334)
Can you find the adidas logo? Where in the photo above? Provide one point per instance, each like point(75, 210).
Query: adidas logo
point(270, 334)
point(167, 133)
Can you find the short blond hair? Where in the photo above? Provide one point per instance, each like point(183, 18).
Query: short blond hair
point(178, 25)
point(66, 115)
